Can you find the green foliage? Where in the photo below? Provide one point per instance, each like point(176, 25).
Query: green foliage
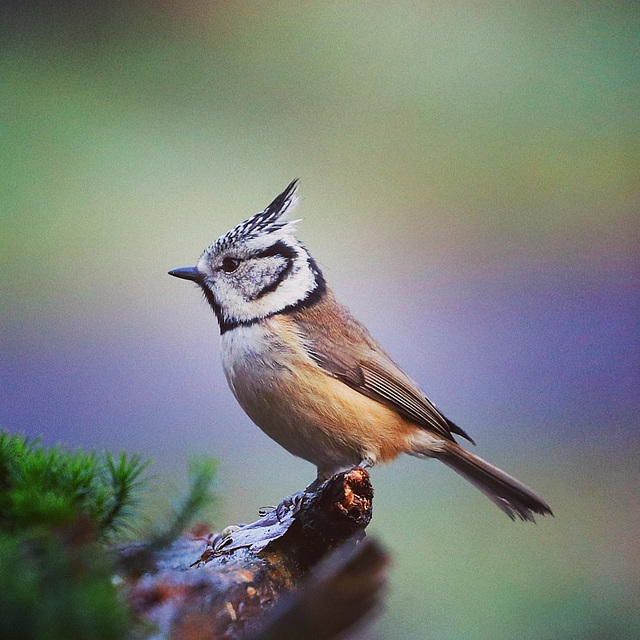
point(49, 487)
point(58, 510)
point(57, 588)
point(201, 474)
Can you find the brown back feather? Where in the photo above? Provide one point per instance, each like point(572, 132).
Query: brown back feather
point(345, 349)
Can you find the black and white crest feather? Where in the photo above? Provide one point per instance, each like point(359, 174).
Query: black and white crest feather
point(265, 222)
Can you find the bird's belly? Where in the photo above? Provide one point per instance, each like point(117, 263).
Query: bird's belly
point(311, 414)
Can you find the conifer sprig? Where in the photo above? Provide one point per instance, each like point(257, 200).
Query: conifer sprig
point(44, 487)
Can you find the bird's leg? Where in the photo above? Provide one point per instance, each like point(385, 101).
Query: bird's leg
point(294, 501)
point(367, 462)
point(315, 485)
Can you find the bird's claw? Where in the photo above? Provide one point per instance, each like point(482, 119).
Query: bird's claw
point(290, 504)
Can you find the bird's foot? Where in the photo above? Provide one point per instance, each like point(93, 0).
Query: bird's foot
point(289, 505)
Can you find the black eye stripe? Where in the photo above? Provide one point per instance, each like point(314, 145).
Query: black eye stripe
point(278, 279)
point(279, 248)
point(288, 254)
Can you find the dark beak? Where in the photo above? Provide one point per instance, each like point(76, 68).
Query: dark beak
point(186, 273)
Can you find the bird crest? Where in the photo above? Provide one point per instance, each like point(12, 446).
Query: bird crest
point(266, 222)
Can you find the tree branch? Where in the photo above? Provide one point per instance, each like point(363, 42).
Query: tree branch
point(258, 581)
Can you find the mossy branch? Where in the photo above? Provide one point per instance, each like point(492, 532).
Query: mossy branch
point(58, 577)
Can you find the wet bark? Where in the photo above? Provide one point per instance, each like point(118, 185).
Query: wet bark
point(301, 572)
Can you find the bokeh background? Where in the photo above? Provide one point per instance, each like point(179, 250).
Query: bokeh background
point(469, 176)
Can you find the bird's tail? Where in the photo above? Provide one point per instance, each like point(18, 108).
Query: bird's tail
point(513, 497)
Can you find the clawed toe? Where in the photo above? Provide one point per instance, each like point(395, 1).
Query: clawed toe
point(291, 504)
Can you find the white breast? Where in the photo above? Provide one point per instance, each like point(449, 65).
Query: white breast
point(300, 406)
point(242, 349)
point(277, 385)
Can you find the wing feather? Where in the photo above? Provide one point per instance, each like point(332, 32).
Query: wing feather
point(345, 349)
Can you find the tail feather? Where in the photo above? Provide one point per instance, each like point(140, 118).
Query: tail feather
point(511, 495)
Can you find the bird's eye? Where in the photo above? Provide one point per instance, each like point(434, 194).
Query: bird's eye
point(230, 264)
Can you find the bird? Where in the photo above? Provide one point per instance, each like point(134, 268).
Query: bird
point(311, 376)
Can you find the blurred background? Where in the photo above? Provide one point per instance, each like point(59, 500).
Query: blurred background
point(469, 180)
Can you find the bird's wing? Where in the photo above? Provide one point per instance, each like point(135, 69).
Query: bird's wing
point(345, 349)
